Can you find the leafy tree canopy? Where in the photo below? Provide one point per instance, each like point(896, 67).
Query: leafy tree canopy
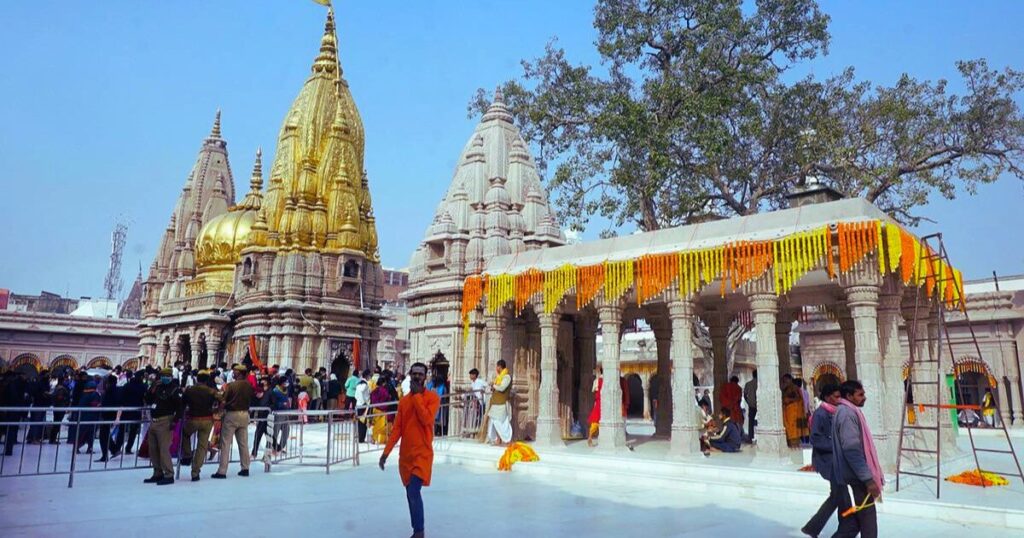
point(688, 116)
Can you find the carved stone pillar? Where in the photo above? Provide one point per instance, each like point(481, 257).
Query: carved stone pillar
point(770, 433)
point(165, 352)
point(473, 341)
point(849, 342)
point(685, 430)
point(645, 383)
point(548, 430)
point(892, 367)
point(613, 425)
point(862, 300)
point(495, 333)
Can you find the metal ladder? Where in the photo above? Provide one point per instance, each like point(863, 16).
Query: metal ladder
point(934, 309)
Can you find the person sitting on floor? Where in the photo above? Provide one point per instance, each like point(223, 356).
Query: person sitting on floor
point(728, 439)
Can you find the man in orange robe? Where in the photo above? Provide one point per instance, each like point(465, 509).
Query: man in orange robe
point(730, 399)
point(414, 425)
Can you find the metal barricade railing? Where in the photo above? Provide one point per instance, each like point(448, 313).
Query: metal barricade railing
point(45, 441)
point(35, 440)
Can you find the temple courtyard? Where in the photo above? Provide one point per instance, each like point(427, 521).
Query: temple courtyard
point(573, 489)
point(363, 501)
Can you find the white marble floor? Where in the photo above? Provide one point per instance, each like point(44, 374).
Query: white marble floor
point(364, 501)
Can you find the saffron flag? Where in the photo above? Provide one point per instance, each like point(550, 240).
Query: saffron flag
point(253, 355)
point(323, 2)
point(355, 354)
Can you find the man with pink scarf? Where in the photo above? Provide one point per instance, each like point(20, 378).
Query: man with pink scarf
point(855, 463)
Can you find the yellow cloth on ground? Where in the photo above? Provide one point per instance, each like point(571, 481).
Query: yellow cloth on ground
point(516, 452)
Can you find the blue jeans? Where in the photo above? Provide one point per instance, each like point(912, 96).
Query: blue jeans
point(412, 494)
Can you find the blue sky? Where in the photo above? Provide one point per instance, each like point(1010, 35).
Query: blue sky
point(104, 105)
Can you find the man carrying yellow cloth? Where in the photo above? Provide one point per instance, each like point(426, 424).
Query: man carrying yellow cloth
point(499, 432)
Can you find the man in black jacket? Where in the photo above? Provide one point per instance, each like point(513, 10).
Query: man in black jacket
point(133, 394)
point(165, 396)
point(821, 457)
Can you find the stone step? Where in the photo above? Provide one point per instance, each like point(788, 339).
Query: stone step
point(785, 486)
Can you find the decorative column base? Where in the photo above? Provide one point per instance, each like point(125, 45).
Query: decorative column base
point(772, 449)
point(685, 442)
point(548, 433)
point(612, 439)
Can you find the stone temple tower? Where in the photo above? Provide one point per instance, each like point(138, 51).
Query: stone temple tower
point(495, 205)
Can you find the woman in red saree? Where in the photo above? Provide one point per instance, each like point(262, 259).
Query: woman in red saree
point(595, 412)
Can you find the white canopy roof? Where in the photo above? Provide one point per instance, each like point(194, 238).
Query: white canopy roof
point(759, 227)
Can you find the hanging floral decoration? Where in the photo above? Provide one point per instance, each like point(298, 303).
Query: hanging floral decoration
point(655, 272)
point(472, 294)
point(796, 255)
point(501, 291)
point(589, 281)
point(526, 285)
point(743, 262)
point(618, 277)
point(734, 264)
point(557, 283)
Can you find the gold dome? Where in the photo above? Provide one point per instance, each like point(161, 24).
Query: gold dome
point(223, 238)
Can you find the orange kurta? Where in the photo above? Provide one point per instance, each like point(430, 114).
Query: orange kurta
point(414, 425)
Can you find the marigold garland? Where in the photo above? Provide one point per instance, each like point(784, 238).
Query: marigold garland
point(472, 293)
point(733, 264)
point(526, 285)
point(654, 273)
point(589, 281)
point(894, 245)
point(501, 290)
point(618, 277)
point(977, 477)
point(557, 283)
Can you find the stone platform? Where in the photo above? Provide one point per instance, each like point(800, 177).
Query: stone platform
point(742, 476)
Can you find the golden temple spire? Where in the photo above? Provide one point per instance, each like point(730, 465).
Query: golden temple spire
point(327, 60)
point(254, 198)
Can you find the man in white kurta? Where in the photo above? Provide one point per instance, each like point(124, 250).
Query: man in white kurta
point(500, 418)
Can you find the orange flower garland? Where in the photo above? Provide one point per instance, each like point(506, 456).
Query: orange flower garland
point(472, 293)
point(527, 284)
point(977, 477)
point(589, 281)
point(733, 264)
point(654, 273)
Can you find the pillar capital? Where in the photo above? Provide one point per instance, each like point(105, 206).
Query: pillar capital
point(764, 303)
point(548, 321)
point(889, 302)
point(861, 295)
point(681, 308)
point(609, 313)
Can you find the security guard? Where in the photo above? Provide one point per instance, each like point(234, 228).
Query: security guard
point(238, 396)
point(165, 396)
point(200, 401)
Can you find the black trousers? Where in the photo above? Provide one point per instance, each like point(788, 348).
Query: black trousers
point(864, 522)
point(261, 430)
point(131, 429)
point(54, 434)
point(820, 519)
point(751, 419)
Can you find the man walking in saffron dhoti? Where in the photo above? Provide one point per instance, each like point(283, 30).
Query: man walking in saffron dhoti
point(499, 430)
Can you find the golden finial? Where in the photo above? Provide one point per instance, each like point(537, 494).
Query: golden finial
point(256, 182)
point(327, 60)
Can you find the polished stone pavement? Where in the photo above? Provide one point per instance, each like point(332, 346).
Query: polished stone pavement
point(363, 501)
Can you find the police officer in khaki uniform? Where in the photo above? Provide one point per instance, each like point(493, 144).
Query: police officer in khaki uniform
point(200, 401)
point(165, 396)
point(238, 396)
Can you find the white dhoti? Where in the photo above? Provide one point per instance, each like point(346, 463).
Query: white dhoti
point(500, 423)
